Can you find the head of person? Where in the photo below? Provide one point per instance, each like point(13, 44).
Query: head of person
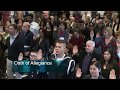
point(60, 47)
point(106, 18)
point(107, 31)
point(42, 33)
point(20, 22)
point(100, 23)
point(87, 19)
point(6, 28)
point(76, 33)
point(108, 55)
point(26, 26)
point(8, 22)
point(97, 16)
point(72, 19)
point(86, 12)
point(63, 26)
point(13, 29)
point(33, 54)
point(95, 69)
point(46, 14)
point(29, 17)
point(52, 18)
point(90, 45)
point(114, 16)
point(117, 21)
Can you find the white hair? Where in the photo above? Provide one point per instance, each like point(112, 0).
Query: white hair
point(91, 42)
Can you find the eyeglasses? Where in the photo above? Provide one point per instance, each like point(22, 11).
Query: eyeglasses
point(33, 55)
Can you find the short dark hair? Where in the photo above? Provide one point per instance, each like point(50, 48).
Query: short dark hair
point(60, 41)
point(30, 14)
point(14, 26)
point(64, 23)
point(96, 63)
point(34, 50)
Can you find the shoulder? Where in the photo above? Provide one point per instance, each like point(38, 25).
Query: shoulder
point(101, 77)
point(87, 77)
point(30, 32)
point(8, 38)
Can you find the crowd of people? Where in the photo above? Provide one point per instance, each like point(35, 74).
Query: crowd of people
point(86, 45)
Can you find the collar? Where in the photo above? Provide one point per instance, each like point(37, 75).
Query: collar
point(60, 58)
point(14, 36)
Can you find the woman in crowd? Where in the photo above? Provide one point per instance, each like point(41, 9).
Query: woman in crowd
point(95, 72)
point(108, 42)
point(42, 43)
point(108, 64)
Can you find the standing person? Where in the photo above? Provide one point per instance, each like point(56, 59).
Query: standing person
point(14, 44)
point(77, 39)
point(28, 38)
point(63, 34)
point(87, 56)
point(34, 27)
point(108, 42)
point(108, 64)
point(95, 71)
point(42, 43)
point(64, 62)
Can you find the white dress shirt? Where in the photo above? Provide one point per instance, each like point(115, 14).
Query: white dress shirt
point(12, 38)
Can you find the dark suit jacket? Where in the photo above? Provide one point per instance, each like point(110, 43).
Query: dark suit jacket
point(89, 76)
point(28, 38)
point(16, 47)
point(83, 54)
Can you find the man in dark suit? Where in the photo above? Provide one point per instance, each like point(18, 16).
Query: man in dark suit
point(15, 45)
point(87, 56)
point(27, 36)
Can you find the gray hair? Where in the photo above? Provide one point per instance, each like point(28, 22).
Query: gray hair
point(91, 42)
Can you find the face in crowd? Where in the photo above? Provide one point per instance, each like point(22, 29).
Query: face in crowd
point(60, 48)
point(90, 45)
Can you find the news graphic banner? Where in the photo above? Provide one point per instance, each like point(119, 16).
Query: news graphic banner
point(39, 66)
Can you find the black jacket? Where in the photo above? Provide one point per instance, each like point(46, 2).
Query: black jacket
point(65, 70)
point(89, 77)
point(16, 47)
point(28, 38)
point(93, 55)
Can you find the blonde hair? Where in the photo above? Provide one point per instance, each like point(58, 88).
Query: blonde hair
point(109, 30)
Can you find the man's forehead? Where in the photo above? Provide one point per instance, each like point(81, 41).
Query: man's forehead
point(88, 44)
point(33, 53)
point(59, 44)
